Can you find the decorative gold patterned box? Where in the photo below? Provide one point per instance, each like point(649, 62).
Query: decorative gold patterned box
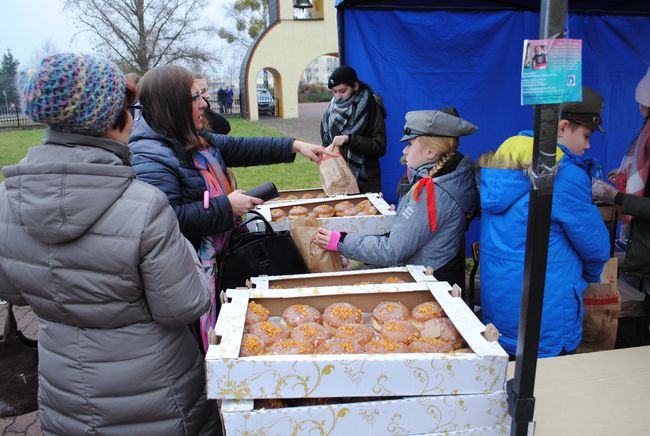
point(379, 276)
point(351, 375)
point(361, 225)
point(459, 414)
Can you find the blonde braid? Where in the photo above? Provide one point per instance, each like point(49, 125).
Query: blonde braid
point(446, 148)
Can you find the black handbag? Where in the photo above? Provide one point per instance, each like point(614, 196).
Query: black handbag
point(251, 254)
point(18, 370)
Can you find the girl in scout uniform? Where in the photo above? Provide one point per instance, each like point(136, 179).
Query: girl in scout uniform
point(433, 214)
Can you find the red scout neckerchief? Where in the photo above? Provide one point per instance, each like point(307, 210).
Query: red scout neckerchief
point(431, 199)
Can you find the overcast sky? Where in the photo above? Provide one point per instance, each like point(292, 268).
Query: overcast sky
point(25, 25)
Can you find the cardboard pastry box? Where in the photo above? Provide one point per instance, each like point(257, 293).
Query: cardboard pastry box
point(362, 225)
point(379, 276)
point(351, 375)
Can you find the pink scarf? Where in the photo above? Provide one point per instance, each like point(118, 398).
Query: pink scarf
point(216, 184)
point(633, 174)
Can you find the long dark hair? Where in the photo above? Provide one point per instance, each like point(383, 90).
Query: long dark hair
point(164, 93)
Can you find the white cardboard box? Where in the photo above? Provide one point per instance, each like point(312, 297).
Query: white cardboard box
point(352, 375)
point(361, 225)
point(459, 414)
point(408, 274)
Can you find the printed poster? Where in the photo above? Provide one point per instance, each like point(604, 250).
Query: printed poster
point(551, 71)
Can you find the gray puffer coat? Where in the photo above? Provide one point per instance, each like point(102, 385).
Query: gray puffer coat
point(99, 257)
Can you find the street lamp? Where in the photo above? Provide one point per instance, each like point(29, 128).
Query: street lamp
point(6, 104)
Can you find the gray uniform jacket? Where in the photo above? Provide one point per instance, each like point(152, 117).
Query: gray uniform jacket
point(99, 257)
point(411, 241)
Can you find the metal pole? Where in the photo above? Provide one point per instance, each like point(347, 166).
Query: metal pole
point(521, 403)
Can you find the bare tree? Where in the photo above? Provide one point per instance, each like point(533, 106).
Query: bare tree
point(46, 49)
point(250, 18)
point(141, 34)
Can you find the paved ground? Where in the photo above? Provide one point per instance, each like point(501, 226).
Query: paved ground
point(307, 128)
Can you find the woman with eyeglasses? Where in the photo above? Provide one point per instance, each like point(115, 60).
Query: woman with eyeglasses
point(170, 153)
point(101, 260)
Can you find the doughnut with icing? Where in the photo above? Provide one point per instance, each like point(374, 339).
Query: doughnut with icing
point(255, 313)
point(423, 312)
point(430, 345)
point(323, 211)
point(399, 331)
point(341, 206)
point(339, 346)
point(443, 329)
point(337, 314)
point(297, 212)
point(359, 333)
point(384, 346)
point(297, 314)
point(290, 346)
point(277, 215)
point(251, 345)
point(311, 332)
point(387, 310)
point(269, 332)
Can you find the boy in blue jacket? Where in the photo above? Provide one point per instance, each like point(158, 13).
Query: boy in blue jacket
point(578, 240)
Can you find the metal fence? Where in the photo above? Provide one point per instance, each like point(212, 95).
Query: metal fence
point(11, 118)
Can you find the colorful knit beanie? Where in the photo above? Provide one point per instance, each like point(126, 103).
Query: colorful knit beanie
point(74, 93)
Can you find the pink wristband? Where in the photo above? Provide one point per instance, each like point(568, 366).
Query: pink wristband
point(206, 200)
point(333, 243)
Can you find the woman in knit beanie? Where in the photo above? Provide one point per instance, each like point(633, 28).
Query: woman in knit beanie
point(632, 194)
point(99, 257)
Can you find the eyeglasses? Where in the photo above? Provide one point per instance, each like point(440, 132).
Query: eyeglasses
point(135, 109)
point(196, 96)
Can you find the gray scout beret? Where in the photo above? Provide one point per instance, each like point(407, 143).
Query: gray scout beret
point(585, 112)
point(435, 123)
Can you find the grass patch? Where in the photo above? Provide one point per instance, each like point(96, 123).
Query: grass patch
point(300, 174)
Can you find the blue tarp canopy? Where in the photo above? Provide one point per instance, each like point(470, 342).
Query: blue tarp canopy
point(433, 54)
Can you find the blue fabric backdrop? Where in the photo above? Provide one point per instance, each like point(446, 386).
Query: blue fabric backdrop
point(429, 59)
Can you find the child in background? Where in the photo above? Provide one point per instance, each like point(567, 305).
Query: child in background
point(433, 215)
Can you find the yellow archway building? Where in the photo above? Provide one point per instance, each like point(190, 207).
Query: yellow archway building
point(285, 49)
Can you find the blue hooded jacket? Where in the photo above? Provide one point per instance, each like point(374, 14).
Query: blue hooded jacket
point(578, 249)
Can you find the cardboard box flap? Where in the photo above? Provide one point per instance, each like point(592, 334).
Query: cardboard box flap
point(467, 323)
point(230, 324)
point(234, 406)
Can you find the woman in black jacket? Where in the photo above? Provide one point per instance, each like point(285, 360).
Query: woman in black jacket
point(354, 121)
point(171, 152)
point(632, 194)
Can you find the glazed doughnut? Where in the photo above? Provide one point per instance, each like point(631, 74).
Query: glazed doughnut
point(351, 211)
point(255, 313)
point(277, 215)
point(424, 312)
point(307, 195)
point(269, 332)
point(359, 333)
point(337, 314)
point(291, 197)
point(387, 310)
point(290, 346)
point(443, 329)
point(297, 212)
point(430, 345)
point(324, 211)
point(299, 314)
point(399, 331)
point(384, 346)
point(341, 206)
point(393, 280)
point(372, 210)
point(364, 204)
point(251, 345)
point(311, 332)
point(339, 346)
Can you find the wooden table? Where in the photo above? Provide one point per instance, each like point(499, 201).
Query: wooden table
point(604, 393)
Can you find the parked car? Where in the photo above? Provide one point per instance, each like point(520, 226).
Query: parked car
point(265, 101)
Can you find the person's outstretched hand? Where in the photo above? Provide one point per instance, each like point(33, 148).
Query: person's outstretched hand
point(242, 203)
point(603, 192)
point(312, 152)
point(327, 239)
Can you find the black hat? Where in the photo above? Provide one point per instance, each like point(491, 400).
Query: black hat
point(436, 123)
point(585, 112)
point(342, 74)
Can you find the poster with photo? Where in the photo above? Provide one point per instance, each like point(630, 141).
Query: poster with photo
point(551, 71)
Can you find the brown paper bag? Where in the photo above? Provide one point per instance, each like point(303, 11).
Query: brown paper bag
point(602, 305)
point(303, 232)
point(335, 176)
